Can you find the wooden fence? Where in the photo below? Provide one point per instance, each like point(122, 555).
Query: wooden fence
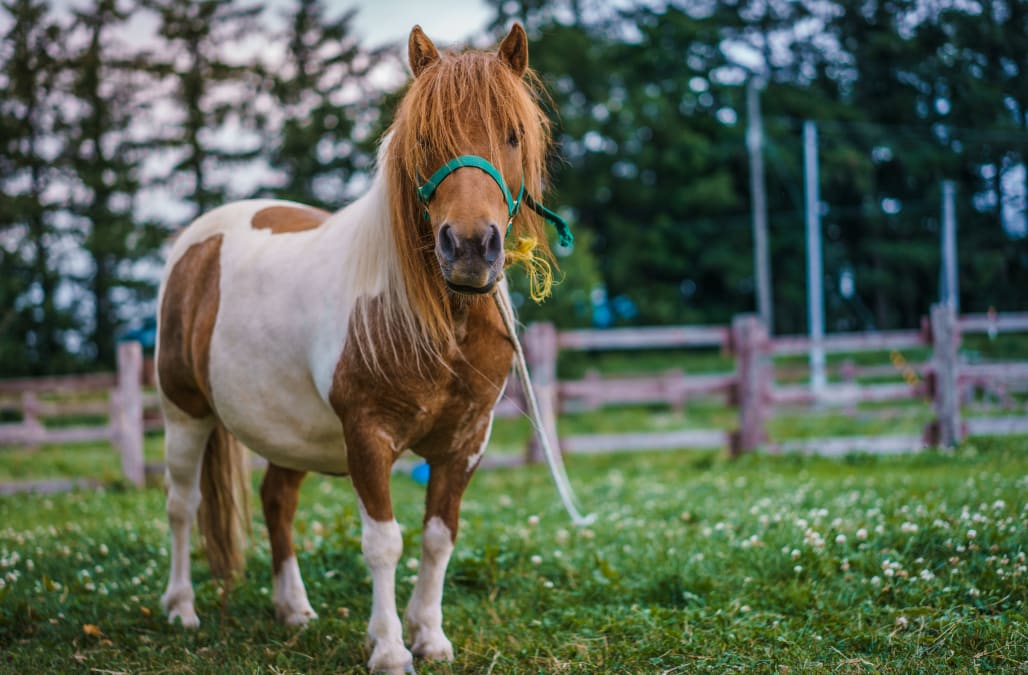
point(118, 397)
point(752, 387)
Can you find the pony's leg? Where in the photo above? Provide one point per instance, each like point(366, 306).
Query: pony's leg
point(280, 492)
point(370, 461)
point(424, 615)
point(185, 439)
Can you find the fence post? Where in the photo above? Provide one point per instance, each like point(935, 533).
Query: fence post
point(127, 412)
point(749, 343)
point(540, 343)
point(947, 430)
point(30, 412)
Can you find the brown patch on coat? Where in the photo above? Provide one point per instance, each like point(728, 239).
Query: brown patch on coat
point(288, 219)
point(280, 492)
point(188, 311)
point(440, 410)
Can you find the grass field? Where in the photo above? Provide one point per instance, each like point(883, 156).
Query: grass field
point(766, 564)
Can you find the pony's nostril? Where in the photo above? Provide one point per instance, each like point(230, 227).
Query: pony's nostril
point(492, 245)
point(447, 243)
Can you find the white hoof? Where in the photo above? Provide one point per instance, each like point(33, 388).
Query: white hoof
point(432, 646)
point(292, 616)
point(394, 659)
point(179, 607)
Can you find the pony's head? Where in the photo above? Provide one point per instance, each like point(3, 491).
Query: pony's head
point(450, 234)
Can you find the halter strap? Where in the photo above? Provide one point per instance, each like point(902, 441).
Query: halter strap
point(428, 188)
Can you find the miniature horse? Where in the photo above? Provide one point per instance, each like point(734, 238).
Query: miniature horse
point(334, 342)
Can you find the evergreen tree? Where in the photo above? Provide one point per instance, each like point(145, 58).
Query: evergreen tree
point(978, 98)
point(214, 92)
point(654, 160)
point(324, 96)
point(34, 323)
point(106, 163)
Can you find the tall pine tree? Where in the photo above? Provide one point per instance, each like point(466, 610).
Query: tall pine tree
point(323, 96)
point(32, 321)
point(213, 92)
point(105, 162)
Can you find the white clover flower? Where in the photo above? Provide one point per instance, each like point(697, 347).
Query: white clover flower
point(840, 539)
point(908, 527)
point(861, 534)
point(537, 560)
point(902, 622)
point(971, 534)
point(797, 569)
point(533, 520)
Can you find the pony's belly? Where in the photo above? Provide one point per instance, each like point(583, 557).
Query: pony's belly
point(273, 407)
point(313, 443)
point(327, 457)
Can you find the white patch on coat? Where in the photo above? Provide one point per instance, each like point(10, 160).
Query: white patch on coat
point(285, 306)
point(290, 597)
point(382, 545)
point(424, 614)
point(185, 439)
point(475, 458)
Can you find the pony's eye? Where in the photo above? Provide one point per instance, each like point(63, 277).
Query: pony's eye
point(513, 139)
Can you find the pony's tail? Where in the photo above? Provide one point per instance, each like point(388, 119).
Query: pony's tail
point(224, 515)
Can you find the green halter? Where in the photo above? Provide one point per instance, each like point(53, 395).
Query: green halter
point(426, 190)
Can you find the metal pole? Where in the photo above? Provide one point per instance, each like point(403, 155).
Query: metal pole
point(815, 266)
point(758, 200)
point(949, 293)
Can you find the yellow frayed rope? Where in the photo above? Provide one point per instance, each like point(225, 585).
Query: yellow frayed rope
point(537, 268)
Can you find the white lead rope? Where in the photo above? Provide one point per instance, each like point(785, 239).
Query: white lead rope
point(553, 458)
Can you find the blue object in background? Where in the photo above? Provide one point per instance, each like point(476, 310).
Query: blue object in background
point(145, 332)
point(420, 473)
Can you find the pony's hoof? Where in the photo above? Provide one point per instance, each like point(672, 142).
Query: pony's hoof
point(295, 617)
point(433, 647)
point(179, 607)
point(184, 615)
point(391, 659)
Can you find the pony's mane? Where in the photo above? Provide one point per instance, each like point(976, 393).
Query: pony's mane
point(459, 95)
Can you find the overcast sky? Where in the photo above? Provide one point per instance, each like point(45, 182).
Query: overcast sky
point(445, 21)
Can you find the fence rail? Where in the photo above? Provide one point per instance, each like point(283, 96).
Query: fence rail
point(751, 387)
point(123, 410)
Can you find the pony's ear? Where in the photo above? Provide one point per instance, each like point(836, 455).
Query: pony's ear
point(420, 50)
point(514, 50)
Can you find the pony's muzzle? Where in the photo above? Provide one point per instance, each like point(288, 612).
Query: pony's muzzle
point(470, 264)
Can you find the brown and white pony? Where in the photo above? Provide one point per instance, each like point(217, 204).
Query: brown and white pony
point(334, 342)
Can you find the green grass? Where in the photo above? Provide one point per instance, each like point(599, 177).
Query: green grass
point(97, 461)
point(766, 564)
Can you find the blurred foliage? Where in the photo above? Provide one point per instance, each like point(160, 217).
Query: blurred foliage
point(226, 100)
